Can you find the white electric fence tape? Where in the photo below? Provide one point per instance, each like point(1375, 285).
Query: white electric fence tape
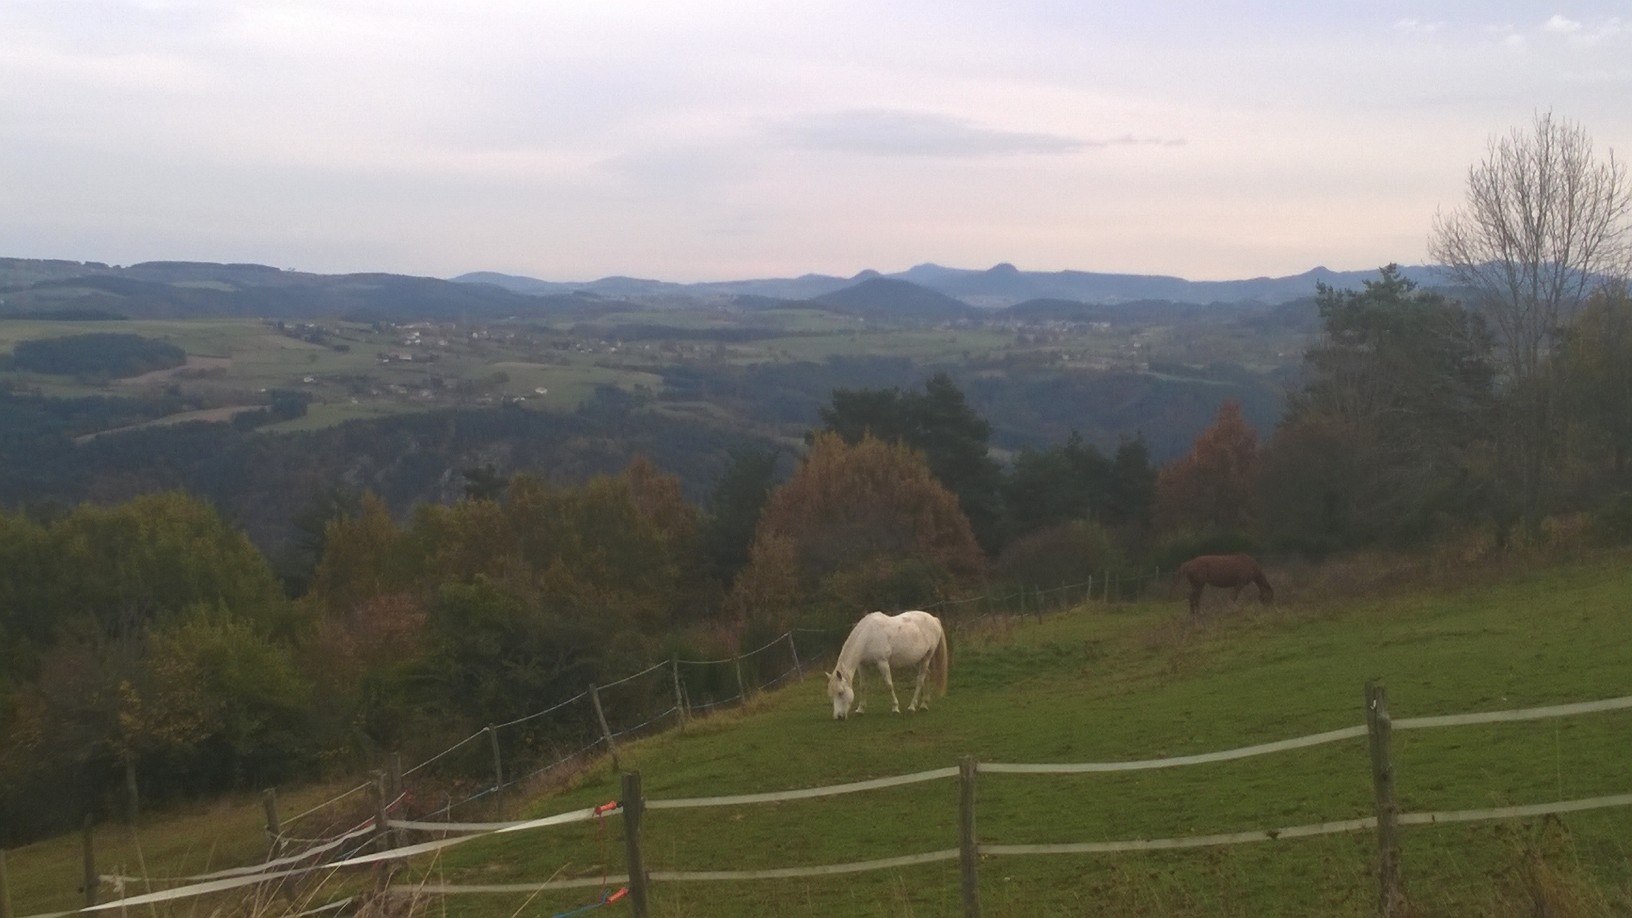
point(246, 876)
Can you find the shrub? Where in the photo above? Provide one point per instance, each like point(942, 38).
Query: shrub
point(1059, 555)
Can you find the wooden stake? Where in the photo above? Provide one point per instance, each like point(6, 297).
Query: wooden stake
point(798, 671)
point(393, 776)
point(606, 732)
point(498, 768)
point(1379, 729)
point(382, 832)
point(91, 878)
point(274, 828)
point(634, 808)
point(968, 848)
point(679, 696)
point(5, 888)
point(132, 799)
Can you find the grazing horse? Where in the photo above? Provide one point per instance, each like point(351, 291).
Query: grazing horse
point(909, 639)
point(1229, 571)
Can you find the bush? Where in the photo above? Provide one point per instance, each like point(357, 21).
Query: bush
point(1059, 555)
point(1612, 522)
point(1177, 549)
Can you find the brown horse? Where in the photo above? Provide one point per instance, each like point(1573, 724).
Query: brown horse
point(1223, 571)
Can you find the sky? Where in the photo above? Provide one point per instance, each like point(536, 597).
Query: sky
point(724, 139)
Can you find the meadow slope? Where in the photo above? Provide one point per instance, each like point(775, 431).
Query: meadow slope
point(1132, 682)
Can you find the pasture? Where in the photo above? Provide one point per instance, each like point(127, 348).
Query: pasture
point(1143, 682)
point(1100, 684)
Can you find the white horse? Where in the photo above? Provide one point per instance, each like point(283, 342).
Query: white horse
point(909, 639)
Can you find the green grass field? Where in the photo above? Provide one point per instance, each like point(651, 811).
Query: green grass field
point(1133, 682)
point(356, 370)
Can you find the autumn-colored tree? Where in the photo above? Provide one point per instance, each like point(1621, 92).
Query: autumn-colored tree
point(367, 666)
point(1212, 489)
point(939, 423)
point(857, 525)
point(364, 556)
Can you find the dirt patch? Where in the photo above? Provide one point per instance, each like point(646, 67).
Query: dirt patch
point(218, 415)
point(193, 364)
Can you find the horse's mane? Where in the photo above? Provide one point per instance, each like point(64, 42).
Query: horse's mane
point(850, 648)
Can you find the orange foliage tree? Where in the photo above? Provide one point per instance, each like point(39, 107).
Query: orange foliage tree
point(1212, 489)
point(858, 527)
point(495, 606)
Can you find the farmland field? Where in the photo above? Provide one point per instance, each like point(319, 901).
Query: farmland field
point(349, 370)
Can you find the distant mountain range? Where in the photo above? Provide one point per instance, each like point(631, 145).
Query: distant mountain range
point(174, 289)
point(996, 287)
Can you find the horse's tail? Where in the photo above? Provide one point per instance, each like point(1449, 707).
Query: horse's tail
point(943, 661)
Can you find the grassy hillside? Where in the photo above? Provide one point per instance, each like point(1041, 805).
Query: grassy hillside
point(1132, 682)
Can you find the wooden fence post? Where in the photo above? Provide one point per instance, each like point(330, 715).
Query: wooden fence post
point(679, 696)
point(274, 827)
point(376, 796)
point(968, 848)
point(1379, 729)
point(88, 843)
point(1090, 597)
point(393, 776)
point(394, 792)
point(606, 732)
point(133, 808)
point(742, 690)
point(634, 807)
point(382, 831)
point(5, 888)
point(498, 767)
point(798, 670)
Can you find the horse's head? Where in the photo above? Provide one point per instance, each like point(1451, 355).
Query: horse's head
point(842, 692)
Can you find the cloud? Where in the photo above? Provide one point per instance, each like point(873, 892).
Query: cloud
point(1561, 25)
point(1417, 26)
point(888, 132)
point(1607, 30)
point(1508, 37)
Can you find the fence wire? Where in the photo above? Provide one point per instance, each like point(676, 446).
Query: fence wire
point(472, 774)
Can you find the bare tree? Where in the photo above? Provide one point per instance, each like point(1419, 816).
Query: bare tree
point(1545, 224)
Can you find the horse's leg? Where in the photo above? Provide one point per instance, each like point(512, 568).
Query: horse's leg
point(861, 691)
point(1235, 597)
point(884, 670)
point(918, 690)
point(1195, 598)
